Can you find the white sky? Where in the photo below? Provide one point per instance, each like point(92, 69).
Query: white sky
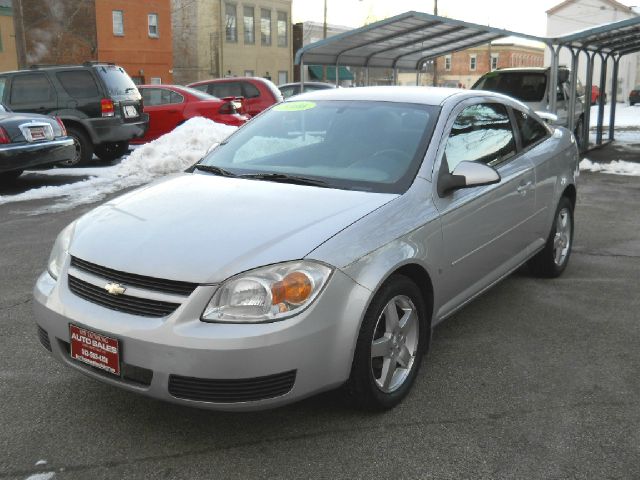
point(524, 16)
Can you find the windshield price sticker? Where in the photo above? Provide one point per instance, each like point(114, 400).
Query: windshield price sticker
point(294, 106)
point(95, 349)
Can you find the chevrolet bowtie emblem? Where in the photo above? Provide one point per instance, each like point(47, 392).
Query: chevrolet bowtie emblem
point(115, 288)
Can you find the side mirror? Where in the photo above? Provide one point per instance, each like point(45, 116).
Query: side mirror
point(548, 117)
point(466, 175)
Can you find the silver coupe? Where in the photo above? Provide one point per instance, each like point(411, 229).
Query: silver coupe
point(316, 247)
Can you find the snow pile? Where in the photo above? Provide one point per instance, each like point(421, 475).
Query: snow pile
point(617, 167)
point(170, 153)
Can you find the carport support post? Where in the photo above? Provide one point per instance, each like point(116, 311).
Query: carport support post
point(603, 89)
point(591, 56)
point(573, 90)
point(301, 75)
point(614, 98)
point(366, 76)
point(337, 75)
point(553, 80)
point(395, 75)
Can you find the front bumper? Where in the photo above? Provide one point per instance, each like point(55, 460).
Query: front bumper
point(27, 155)
point(316, 345)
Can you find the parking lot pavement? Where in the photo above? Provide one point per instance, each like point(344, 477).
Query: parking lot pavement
point(536, 379)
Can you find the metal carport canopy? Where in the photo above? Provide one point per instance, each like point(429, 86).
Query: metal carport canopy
point(403, 41)
point(618, 38)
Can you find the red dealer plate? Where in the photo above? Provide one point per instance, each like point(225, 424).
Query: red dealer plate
point(95, 349)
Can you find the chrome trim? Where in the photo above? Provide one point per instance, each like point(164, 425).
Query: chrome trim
point(65, 142)
point(26, 132)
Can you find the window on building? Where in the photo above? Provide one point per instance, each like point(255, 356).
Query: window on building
point(249, 26)
point(78, 83)
point(447, 62)
point(155, 81)
point(265, 26)
point(473, 62)
point(282, 29)
point(494, 61)
point(118, 22)
point(283, 77)
point(231, 31)
point(152, 21)
point(249, 73)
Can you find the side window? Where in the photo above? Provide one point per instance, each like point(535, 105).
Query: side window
point(226, 89)
point(481, 133)
point(202, 88)
point(78, 83)
point(531, 130)
point(3, 82)
point(151, 97)
point(30, 88)
point(175, 97)
point(250, 91)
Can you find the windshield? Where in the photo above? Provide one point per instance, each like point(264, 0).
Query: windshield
point(118, 83)
point(525, 86)
point(359, 145)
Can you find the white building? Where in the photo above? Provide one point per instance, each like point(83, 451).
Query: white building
point(574, 15)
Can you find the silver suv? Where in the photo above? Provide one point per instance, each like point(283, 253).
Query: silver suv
point(531, 86)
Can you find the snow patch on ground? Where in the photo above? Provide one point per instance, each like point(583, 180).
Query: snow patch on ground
point(617, 167)
point(41, 462)
point(626, 115)
point(170, 153)
point(41, 476)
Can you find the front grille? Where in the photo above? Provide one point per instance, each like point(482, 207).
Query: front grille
point(133, 280)
point(121, 303)
point(128, 373)
point(231, 391)
point(44, 338)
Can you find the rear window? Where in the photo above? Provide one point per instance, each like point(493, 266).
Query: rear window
point(226, 89)
point(78, 83)
point(199, 94)
point(525, 86)
point(118, 83)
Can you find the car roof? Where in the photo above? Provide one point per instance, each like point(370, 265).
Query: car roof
point(37, 68)
point(321, 84)
point(229, 79)
point(400, 94)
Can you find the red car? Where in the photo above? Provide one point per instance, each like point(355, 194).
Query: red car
point(258, 93)
point(170, 105)
point(595, 95)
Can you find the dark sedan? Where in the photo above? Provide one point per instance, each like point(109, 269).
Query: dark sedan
point(30, 140)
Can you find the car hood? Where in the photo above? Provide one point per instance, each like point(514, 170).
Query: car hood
point(203, 228)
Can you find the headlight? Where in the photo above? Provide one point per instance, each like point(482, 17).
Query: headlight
point(268, 293)
point(59, 251)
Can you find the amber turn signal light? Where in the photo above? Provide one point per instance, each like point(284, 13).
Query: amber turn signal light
point(295, 288)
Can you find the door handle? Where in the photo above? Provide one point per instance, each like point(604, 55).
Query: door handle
point(523, 187)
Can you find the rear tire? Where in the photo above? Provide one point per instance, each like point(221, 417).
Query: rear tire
point(553, 259)
point(84, 148)
point(110, 151)
point(393, 339)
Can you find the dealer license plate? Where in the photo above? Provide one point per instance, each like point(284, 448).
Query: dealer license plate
point(95, 349)
point(130, 111)
point(37, 133)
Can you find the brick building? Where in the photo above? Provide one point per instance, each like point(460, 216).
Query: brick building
point(229, 38)
point(8, 56)
point(463, 69)
point(134, 34)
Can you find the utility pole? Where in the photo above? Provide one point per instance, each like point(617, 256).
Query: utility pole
point(324, 36)
point(18, 27)
point(435, 60)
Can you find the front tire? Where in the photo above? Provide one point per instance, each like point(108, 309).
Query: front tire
point(553, 259)
point(393, 339)
point(7, 177)
point(578, 131)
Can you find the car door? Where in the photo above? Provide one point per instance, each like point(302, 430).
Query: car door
point(32, 92)
point(484, 228)
point(164, 108)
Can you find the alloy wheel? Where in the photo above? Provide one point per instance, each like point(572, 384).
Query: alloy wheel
point(562, 239)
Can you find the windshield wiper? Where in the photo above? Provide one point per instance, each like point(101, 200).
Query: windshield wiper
point(284, 178)
point(213, 169)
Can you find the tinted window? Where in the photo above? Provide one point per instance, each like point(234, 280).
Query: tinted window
point(374, 146)
point(160, 96)
point(202, 88)
point(525, 86)
point(481, 133)
point(30, 88)
point(250, 91)
point(289, 91)
point(3, 82)
point(117, 81)
point(78, 83)
point(226, 89)
point(199, 93)
point(531, 130)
